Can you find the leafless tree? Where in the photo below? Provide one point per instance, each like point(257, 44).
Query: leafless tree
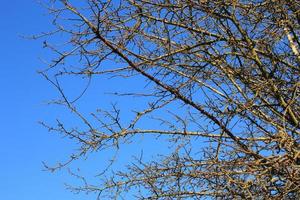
point(222, 85)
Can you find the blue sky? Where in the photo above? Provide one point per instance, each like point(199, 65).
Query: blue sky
point(24, 144)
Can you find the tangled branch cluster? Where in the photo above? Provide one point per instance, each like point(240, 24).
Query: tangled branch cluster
point(233, 67)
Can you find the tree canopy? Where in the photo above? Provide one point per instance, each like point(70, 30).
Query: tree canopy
point(221, 84)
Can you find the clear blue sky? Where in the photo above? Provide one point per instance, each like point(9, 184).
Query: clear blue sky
point(24, 144)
